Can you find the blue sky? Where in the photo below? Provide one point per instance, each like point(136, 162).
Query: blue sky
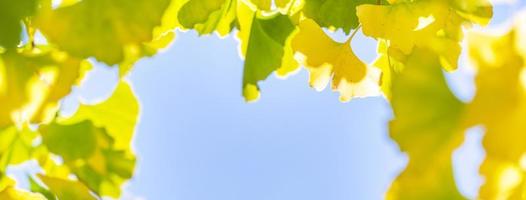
point(198, 140)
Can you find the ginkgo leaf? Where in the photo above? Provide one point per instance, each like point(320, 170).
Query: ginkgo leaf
point(16, 146)
point(11, 15)
point(283, 3)
point(431, 24)
point(103, 168)
point(14, 79)
point(67, 189)
point(427, 122)
point(11, 193)
point(326, 59)
point(334, 14)
point(72, 142)
point(106, 27)
point(67, 72)
point(36, 187)
point(34, 83)
point(500, 106)
point(206, 16)
point(259, 4)
point(162, 36)
point(478, 11)
point(118, 115)
point(389, 68)
point(5, 181)
point(263, 42)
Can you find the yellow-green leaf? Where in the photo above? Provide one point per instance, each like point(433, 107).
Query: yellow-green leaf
point(426, 127)
point(72, 142)
point(118, 115)
point(33, 82)
point(16, 146)
point(90, 153)
point(334, 14)
point(67, 189)
point(105, 27)
point(11, 15)
point(206, 16)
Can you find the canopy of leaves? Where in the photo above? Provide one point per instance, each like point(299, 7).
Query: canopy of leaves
point(417, 39)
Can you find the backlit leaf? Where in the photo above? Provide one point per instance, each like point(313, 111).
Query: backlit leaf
point(263, 42)
point(326, 59)
point(107, 28)
point(11, 15)
point(427, 122)
point(91, 155)
point(206, 16)
point(67, 189)
point(431, 24)
point(334, 14)
point(118, 115)
point(32, 83)
point(15, 194)
point(500, 106)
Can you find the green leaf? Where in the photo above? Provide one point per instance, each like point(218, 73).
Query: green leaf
point(263, 43)
point(72, 142)
point(106, 28)
point(11, 15)
point(90, 153)
point(206, 16)
point(36, 187)
point(334, 14)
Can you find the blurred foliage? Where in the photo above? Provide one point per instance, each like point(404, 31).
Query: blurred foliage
point(88, 155)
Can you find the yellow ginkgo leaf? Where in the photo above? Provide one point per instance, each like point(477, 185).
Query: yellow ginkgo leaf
point(500, 106)
point(33, 82)
point(430, 24)
point(388, 66)
point(260, 4)
point(326, 59)
point(11, 193)
point(16, 146)
point(283, 3)
point(426, 126)
point(67, 189)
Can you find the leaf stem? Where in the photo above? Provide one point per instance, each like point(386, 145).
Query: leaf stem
point(353, 34)
point(290, 7)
